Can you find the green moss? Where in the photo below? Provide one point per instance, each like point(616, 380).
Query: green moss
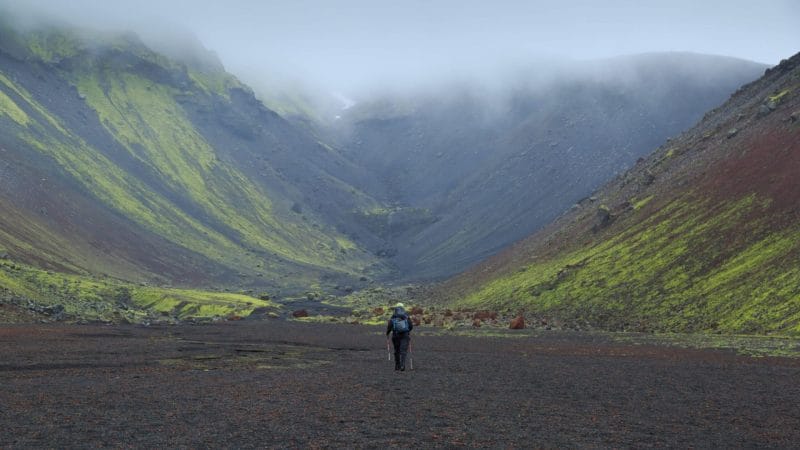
point(10, 109)
point(215, 82)
point(52, 46)
point(639, 204)
point(778, 97)
point(185, 303)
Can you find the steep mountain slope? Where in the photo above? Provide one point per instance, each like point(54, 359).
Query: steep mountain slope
point(703, 234)
point(471, 169)
point(117, 160)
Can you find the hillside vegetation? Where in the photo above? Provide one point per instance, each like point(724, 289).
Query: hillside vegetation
point(117, 160)
point(702, 235)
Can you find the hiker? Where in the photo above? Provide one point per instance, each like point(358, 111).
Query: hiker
point(400, 326)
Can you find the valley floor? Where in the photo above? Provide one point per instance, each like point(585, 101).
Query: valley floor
point(306, 385)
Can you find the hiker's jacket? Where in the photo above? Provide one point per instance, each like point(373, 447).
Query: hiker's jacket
point(400, 315)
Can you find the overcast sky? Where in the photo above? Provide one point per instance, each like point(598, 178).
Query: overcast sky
point(345, 44)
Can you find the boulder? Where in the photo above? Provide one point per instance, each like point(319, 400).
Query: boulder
point(300, 313)
point(476, 323)
point(415, 320)
point(378, 311)
point(416, 310)
point(517, 323)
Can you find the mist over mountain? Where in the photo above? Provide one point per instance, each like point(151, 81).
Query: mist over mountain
point(469, 168)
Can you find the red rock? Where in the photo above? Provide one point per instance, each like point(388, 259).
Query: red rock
point(518, 323)
point(415, 320)
point(234, 317)
point(378, 311)
point(476, 323)
point(416, 311)
point(300, 313)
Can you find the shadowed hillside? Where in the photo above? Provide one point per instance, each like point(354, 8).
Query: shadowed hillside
point(701, 235)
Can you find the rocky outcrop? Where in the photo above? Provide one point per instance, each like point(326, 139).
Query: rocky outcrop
point(517, 323)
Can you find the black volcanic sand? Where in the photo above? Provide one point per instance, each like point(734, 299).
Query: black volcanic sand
point(285, 384)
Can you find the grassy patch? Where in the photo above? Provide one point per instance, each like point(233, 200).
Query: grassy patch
point(113, 300)
point(10, 109)
point(639, 204)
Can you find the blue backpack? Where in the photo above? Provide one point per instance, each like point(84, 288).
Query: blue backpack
point(400, 324)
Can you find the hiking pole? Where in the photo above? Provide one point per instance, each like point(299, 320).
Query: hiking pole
point(410, 357)
point(388, 352)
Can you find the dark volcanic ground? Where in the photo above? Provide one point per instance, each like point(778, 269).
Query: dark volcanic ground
point(284, 384)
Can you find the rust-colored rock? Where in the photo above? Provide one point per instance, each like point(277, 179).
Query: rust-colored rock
point(415, 320)
point(300, 313)
point(234, 317)
point(476, 323)
point(518, 323)
point(378, 311)
point(416, 311)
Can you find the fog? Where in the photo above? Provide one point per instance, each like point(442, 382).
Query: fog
point(351, 46)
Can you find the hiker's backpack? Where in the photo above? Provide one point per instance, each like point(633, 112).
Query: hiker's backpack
point(400, 324)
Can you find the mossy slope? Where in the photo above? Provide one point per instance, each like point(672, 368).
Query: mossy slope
point(104, 299)
point(106, 121)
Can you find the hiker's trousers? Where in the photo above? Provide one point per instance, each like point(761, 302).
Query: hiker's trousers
point(400, 341)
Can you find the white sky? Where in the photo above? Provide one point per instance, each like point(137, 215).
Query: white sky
point(347, 44)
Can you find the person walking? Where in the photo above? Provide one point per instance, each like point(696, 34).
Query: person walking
point(400, 327)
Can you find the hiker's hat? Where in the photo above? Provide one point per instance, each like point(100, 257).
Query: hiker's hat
point(399, 305)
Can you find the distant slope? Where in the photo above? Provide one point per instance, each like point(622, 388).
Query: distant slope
point(117, 160)
point(703, 234)
point(472, 169)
